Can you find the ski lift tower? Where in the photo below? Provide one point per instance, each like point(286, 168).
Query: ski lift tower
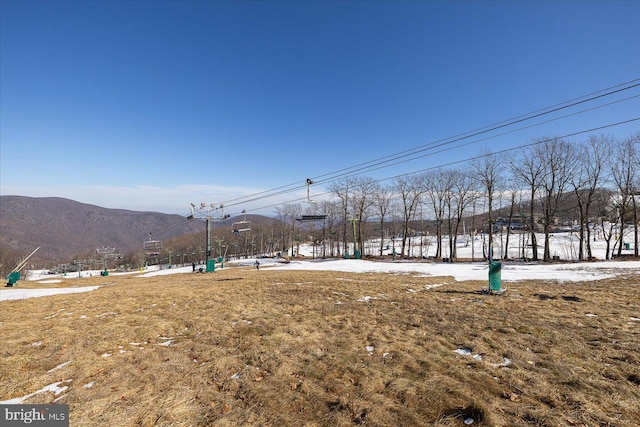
point(107, 253)
point(208, 213)
point(152, 247)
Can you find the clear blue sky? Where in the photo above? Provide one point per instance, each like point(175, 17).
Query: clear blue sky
point(151, 105)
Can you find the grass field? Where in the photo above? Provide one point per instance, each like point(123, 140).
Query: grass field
point(293, 348)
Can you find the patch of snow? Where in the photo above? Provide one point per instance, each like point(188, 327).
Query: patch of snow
point(89, 385)
point(506, 363)
point(15, 294)
point(463, 351)
point(60, 366)
point(54, 388)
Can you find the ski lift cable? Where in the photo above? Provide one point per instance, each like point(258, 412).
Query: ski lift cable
point(496, 126)
point(489, 137)
point(385, 164)
point(518, 119)
point(530, 144)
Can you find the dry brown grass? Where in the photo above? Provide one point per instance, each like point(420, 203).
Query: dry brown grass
point(272, 348)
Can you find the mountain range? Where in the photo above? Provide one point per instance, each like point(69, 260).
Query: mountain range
point(64, 228)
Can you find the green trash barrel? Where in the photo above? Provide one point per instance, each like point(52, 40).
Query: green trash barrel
point(495, 268)
point(627, 245)
point(357, 254)
point(211, 265)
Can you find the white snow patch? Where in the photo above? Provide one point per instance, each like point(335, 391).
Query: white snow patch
point(54, 388)
point(14, 294)
point(60, 366)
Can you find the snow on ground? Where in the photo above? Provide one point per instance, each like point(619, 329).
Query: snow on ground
point(17, 293)
point(563, 245)
point(474, 271)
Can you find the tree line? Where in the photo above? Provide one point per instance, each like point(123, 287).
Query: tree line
point(550, 182)
point(589, 185)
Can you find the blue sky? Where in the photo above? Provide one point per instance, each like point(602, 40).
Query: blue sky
point(151, 105)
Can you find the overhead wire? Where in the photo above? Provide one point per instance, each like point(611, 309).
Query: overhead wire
point(446, 141)
point(455, 162)
point(386, 164)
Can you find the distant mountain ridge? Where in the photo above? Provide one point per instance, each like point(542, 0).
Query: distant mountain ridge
point(64, 228)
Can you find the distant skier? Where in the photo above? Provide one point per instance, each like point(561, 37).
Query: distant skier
point(257, 265)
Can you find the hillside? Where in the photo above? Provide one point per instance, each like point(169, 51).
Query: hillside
point(64, 228)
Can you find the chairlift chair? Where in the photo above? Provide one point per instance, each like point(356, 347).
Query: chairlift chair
point(152, 247)
point(241, 226)
point(311, 218)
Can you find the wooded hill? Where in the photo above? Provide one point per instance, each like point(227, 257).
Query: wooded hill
point(64, 229)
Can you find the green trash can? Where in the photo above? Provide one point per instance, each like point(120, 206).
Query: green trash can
point(211, 265)
point(346, 254)
point(495, 268)
point(627, 245)
point(357, 254)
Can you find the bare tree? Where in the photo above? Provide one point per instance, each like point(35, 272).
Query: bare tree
point(409, 192)
point(527, 169)
point(625, 175)
point(513, 194)
point(286, 216)
point(342, 188)
point(586, 181)
point(608, 211)
point(361, 201)
point(558, 159)
point(382, 197)
point(461, 197)
point(436, 186)
point(635, 139)
point(488, 169)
